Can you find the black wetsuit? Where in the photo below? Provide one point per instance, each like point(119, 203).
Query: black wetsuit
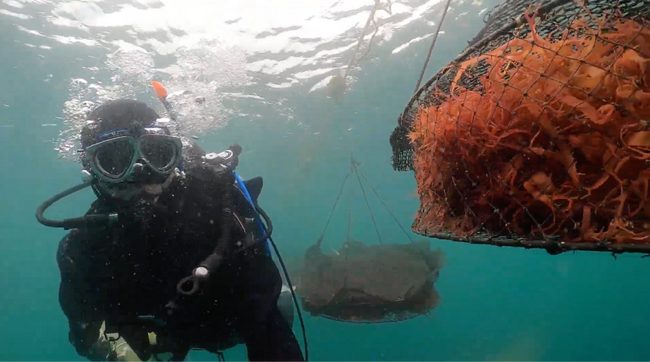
point(130, 269)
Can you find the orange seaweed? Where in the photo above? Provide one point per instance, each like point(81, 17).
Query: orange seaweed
point(555, 141)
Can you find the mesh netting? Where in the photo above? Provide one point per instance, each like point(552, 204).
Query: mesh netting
point(538, 135)
point(371, 283)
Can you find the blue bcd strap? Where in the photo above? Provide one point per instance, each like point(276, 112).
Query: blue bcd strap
point(259, 223)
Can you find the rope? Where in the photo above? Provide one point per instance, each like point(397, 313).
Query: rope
point(371, 18)
point(356, 49)
point(320, 239)
point(347, 237)
point(435, 37)
point(374, 23)
point(354, 166)
point(385, 205)
point(355, 169)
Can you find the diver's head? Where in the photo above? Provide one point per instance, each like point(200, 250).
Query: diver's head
point(128, 150)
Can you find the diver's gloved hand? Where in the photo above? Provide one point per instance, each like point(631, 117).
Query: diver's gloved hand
point(100, 351)
point(86, 339)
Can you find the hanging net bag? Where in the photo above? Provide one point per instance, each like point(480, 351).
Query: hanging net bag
point(538, 134)
point(375, 283)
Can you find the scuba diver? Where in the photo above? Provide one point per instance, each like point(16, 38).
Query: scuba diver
point(173, 254)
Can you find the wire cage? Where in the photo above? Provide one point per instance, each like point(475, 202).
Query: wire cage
point(538, 134)
point(369, 283)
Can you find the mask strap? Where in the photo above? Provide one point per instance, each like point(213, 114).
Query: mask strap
point(119, 132)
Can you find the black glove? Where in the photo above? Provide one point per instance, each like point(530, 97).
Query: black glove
point(85, 339)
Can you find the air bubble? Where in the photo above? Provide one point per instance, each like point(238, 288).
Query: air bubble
point(197, 84)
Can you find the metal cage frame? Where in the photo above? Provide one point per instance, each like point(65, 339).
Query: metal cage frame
point(552, 245)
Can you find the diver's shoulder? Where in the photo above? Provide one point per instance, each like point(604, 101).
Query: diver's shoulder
point(72, 245)
point(83, 237)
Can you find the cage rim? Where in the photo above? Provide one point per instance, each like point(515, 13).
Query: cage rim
point(518, 21)
point(551, 246)
point(382, 321)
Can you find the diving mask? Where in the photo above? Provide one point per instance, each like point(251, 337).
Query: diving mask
point(114, 160)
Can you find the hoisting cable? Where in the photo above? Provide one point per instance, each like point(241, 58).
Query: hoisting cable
point(433, 43)
point(356, 49)
point(320, 239)
point(371, 18)
point(350, 212)
point(354, 168)
point(365, 197)
point(359, 173)
point(385, 205)
point(347, 238)
point(389, 10)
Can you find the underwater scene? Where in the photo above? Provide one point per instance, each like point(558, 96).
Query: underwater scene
point(327, 180)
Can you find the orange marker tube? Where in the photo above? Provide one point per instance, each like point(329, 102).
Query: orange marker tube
point(161, 92)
